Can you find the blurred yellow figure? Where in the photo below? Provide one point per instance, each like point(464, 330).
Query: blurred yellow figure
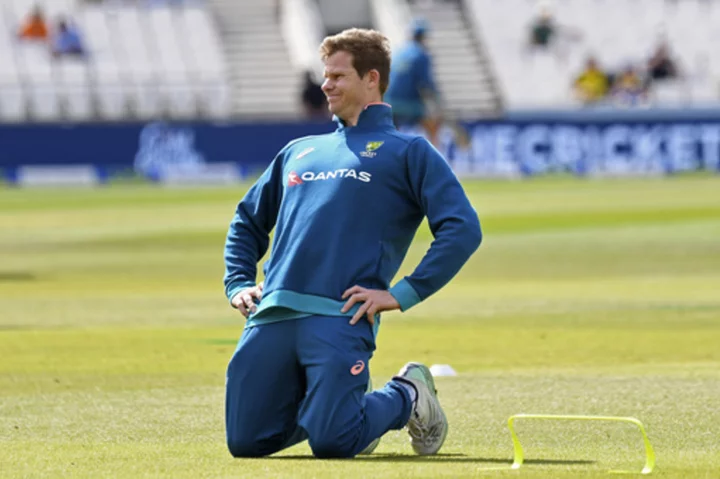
point(591, 86)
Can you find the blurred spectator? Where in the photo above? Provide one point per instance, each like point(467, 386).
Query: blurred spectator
point(313, 98)
point(34, 27)
point(547, 35)
point(66, 40)
point(543, 29)
point(629, 89)
point(661, 66)
point(412, 85)
point(591, 86)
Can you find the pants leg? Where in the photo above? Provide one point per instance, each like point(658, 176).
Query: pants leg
point(338, 415)
point(265, 386)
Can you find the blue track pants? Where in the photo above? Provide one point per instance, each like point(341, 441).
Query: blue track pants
point(306, 379)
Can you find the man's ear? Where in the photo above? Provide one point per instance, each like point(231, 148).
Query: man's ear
point(373, 77)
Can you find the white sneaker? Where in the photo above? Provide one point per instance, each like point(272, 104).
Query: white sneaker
point(428, 425)
point(373, 445)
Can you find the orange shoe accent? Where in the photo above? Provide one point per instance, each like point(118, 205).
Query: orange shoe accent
point(358, 368)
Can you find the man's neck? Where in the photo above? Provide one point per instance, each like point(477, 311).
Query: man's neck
point(352, 119)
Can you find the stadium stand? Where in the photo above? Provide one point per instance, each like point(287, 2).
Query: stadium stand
point(144, 61)
point(216, 59)
point(617, 32)
point(260, 69)
point(210, 89)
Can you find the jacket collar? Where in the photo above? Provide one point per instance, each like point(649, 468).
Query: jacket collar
point(373, 116)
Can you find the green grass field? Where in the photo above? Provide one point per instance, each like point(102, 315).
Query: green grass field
point(587, 297)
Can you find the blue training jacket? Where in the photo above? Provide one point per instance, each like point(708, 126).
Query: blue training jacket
point(345, 207)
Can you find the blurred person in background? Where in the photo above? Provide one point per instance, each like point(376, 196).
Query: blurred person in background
point(547, 35)
point(591, 86)
point(629, 88)
point(661, 65)
point(34, 27)
point(313, 98)
point(543, 29)
point(412, 92)
point(67, 41)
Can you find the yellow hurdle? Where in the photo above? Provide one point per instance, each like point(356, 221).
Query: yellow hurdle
point(519, 457)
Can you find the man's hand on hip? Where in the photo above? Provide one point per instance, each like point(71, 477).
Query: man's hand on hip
point(374, 301)
point(244, 301)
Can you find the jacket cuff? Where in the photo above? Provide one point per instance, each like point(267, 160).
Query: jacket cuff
point(405, 294)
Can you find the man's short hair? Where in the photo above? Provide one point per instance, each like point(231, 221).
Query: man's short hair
point(370, 50)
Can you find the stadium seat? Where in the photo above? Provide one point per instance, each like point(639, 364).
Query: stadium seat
point(130, 51)
point(111, 93)
point(74, 88)
point(12, 97)
point(206, 67)
point(36, 69)
point(106, 83)
point(44, 102)
point(161, 29)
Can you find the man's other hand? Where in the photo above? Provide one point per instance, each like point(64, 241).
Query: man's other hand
point(244, 301)
point(374, 301)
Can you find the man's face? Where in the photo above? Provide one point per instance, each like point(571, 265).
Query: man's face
point(343, 87)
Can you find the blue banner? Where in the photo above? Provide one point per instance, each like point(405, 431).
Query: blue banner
point(149, 148)
point(515, 146)
point(502, 149)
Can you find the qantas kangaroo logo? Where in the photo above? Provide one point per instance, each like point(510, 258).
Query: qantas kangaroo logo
point(294, 179)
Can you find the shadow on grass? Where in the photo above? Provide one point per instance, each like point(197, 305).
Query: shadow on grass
point(16, 276)
point(451, 458)
point(13, 327)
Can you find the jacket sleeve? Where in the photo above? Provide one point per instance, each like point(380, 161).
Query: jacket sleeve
point(452, 219)
point(248, 237)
